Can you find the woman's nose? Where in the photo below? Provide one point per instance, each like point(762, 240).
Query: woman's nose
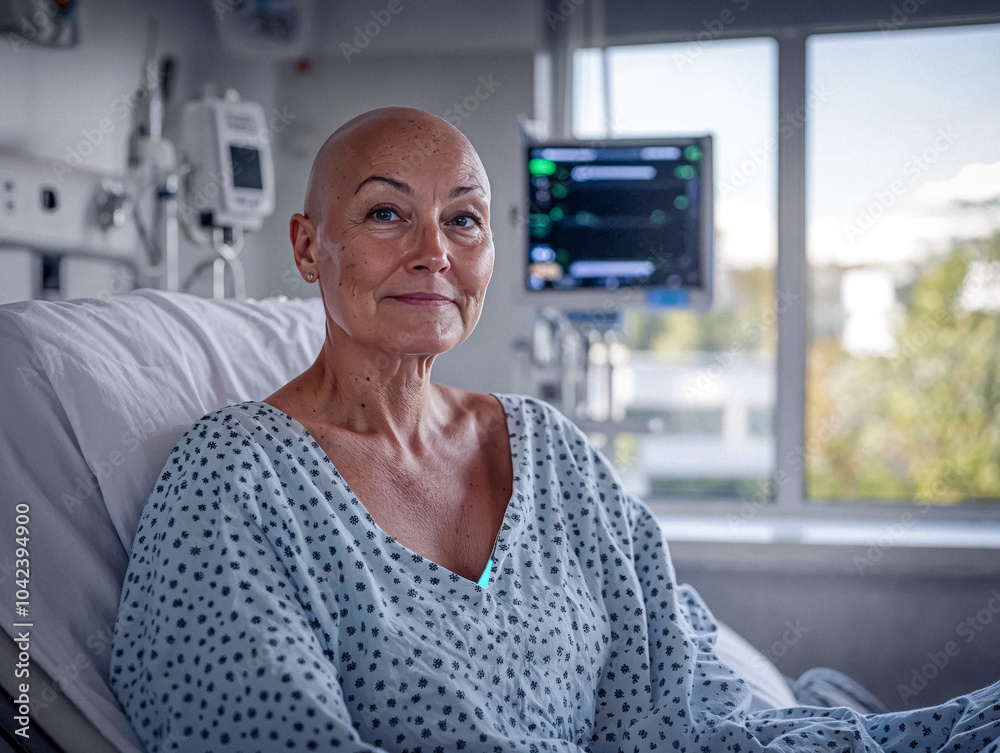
point(431, 252)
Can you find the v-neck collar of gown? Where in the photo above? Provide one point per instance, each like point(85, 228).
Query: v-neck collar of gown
point(514, 516)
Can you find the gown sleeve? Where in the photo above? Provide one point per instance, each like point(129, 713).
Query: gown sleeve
point(700, 705)
point(214, 650)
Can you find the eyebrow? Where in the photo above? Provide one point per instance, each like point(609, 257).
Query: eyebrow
point(400, 185)
point(462, 190)
point(397, 184)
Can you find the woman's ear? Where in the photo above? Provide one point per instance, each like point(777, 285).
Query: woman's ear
point(302, 234)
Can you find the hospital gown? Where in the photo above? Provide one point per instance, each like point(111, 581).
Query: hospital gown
point(264, 609)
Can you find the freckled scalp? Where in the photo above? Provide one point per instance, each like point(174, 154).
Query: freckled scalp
point(355, 141)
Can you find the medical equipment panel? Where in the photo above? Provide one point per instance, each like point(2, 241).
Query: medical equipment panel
point(55, 207)
point(621, 215)
point(231, 175)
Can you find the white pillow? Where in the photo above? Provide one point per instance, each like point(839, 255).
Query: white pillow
point(97, 392)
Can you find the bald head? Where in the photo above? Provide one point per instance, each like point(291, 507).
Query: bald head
point(399, 140)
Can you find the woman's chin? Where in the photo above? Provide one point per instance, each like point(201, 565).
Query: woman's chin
point(399, 336)
point(423, 343)
point(423, 348)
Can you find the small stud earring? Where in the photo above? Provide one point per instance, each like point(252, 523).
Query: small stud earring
point(310, 277)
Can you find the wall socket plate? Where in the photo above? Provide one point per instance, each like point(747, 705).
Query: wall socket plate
point(48, 206)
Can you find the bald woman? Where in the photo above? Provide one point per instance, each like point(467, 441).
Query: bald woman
point(396, 235)
point(370, 561)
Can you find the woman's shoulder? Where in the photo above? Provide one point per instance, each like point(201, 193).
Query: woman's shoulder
point(247, 412)
point(528, 410)
point(519, 409)
point(514, 414)
point(251, 419)
point(244, 441)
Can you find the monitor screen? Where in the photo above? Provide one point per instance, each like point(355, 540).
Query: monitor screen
point(622, 215)
point(246, 167)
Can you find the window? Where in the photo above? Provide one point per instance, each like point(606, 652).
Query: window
point(903, 169)
point(699, 388)
point(902, 347)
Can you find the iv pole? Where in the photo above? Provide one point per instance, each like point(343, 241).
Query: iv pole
point(152, 162)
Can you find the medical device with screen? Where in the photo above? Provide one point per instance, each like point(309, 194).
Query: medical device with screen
point(633, 215)
point(226, 143)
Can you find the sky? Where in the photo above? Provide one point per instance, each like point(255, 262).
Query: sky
point(900, 126)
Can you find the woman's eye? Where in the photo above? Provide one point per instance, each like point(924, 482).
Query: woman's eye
point(464, 220)
point(384, 214)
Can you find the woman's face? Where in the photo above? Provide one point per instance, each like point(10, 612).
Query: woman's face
point(403, 249)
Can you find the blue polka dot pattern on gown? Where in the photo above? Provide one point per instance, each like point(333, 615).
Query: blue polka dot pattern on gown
point(264, 609)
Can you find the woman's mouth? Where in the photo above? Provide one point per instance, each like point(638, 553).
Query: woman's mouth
point(422, 299)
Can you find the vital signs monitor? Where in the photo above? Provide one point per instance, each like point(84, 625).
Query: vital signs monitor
point(634, 217)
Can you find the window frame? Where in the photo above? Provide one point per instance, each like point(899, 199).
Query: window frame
point(788, 477)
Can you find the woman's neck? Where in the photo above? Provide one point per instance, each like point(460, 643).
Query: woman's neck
point(367, 392)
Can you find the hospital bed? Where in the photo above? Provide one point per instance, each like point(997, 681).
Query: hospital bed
point(95, 394)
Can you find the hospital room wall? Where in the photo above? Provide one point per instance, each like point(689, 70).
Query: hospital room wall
point(69, 107)
point(57, 103)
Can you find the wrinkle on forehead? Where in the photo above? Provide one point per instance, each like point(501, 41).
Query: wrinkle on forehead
point(394, 136)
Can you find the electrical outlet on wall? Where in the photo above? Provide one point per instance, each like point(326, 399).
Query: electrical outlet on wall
point(69, 211)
